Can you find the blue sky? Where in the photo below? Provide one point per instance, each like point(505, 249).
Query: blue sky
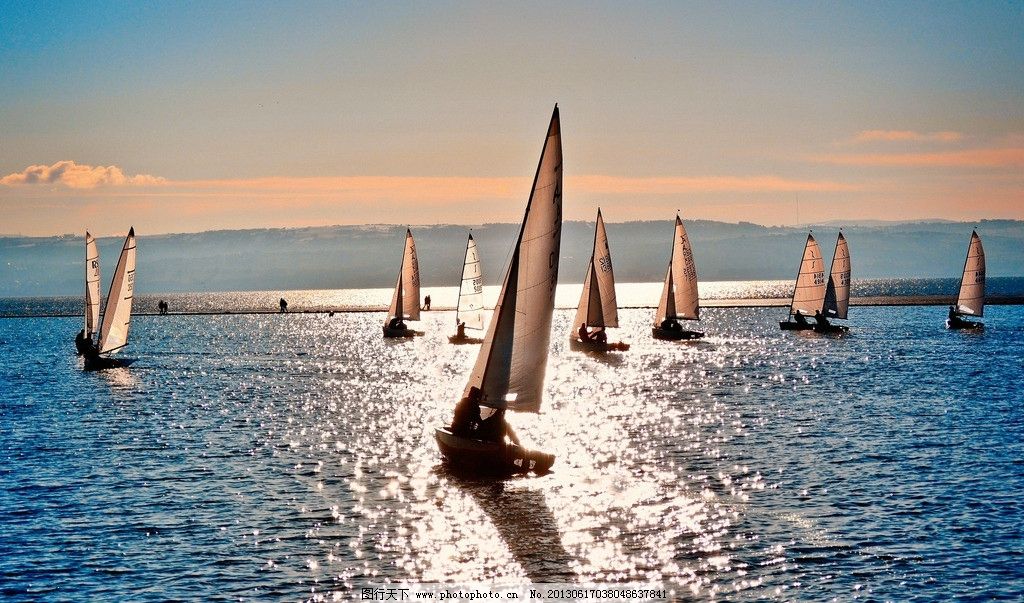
point(191, 116)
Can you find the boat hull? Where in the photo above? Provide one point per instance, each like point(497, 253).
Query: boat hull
point(789, 325)
point(489, 458)
point(101, 363)
point(398, 333)
point(597, 346)
point(463, 340)
point(659, 333)
point(964, 325)
point(831, 329)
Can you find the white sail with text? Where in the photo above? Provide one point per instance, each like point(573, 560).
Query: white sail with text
point(679, 296)
point(837, 293)
point(405, 302)
point(471, 290)
point(809, 293)
point(971, 299)
point(117, 314)
point(598, 307)
point(92, 286)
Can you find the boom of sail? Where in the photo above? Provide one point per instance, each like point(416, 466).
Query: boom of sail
point(597, 307)
point(971, 299)
point(92, 286)
point(679, 296)
point(510, 368)
point(117, 314)
point(837, 294)
point(471, 290)
point(809, 294)
point(405, 303)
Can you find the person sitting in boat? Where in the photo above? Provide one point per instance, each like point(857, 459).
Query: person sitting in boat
point(583, 333)
point(460, 330)
point(599, 335)
point(495, 429)
point(82, 343)
point(670, 324)
point(954, 318)
point(466, 421)
point(397, 324)
point(820, 320)
point(800, 318)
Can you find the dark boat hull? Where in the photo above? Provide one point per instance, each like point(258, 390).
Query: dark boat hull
point(463, 340)
point(964, 325)
point(100, 363)
point(390, 333)
point(659, 333)
point(597, 346)
point(489, 458)
point(831, 329)
point(789, 325)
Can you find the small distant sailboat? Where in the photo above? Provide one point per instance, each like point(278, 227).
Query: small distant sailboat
point(679, 297)
point(405, 303)
point(469, 314)
point(597, 307)
point(117, 314)
point(809, 293)
point(83, 341)
point(509, 372)
point(837, 292)
point(970, 301)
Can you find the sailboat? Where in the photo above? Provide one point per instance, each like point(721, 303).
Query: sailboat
point(970, 301)
point(509, 371)
point(83, 341)
point(679, 297)
point(597, 307)
point(469, 314)
point(809, 293)
point(117, 313)
point(405, 303)
point(837, 292)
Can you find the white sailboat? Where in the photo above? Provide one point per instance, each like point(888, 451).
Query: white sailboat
point(469, 314)
point(679, 297)
point(809, 293)
point(92, 295)
point(509, 371)
point(597, 308)
point(405, 303)
point(837, 292)
point(970, 301)
point(117, 314)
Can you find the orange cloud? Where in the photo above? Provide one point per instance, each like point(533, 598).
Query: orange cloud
point(906, 135)
point(971, 158)
point(73, 175)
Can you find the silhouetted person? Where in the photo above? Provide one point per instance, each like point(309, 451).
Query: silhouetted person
point(599, 336)
point(426, 303)
point(397, 324)
point(466, 421)
point(460, 330)
point(800, 319)
point(494, 429)
point(583, 333)
point(952, 314)
point(820, 319)
point(284, 305)
point(82, 343)
point(670, 324)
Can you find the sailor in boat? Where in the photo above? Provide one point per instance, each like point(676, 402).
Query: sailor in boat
point(397, 324)
point(583, 333)
point(955, 321)
point(82, 343)
point(671, 324)
point(800, 318)
point(820, 319)
point(467, 421)
point(460, 330)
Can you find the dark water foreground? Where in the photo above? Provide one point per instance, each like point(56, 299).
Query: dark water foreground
point(290, 457)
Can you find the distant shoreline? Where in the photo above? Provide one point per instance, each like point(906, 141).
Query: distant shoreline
point(774, 302)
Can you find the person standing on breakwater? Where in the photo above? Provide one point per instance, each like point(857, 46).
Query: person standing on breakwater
point(284, 305)
point(426, 303)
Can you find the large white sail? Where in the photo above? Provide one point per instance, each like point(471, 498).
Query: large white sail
point(405, 302)
point(971, 300)
point(510, 368)
point(92, 286)
point(471, 290)
point(679, 296)
point(809, 294)
point(837, 294)
point(597, 307)
point(117, 314)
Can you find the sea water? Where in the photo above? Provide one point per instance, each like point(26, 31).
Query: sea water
point(289, 457)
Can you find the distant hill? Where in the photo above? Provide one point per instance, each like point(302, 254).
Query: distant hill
point(368, 256)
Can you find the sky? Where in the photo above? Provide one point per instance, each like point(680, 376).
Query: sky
point(193, 116)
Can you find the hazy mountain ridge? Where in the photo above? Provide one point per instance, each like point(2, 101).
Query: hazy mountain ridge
point(368, 256)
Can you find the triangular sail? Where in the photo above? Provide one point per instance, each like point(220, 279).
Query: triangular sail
point(809, 294)
point(598, 307)
point(971, 299)
point(837, 294)
point(92, 286)
point(117, 314)
point(405, 302)
point(471, 290)
point(510, 368)
point(679, 296)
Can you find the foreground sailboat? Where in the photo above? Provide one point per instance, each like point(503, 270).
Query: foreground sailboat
point(970, 301)
point(509, 372)
point(117, 314)
point(597, 308)
point(405, 303)
point(83, 341)
point(679, 298)
point(809, 293)
point(837, 293)
point(469, 314)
